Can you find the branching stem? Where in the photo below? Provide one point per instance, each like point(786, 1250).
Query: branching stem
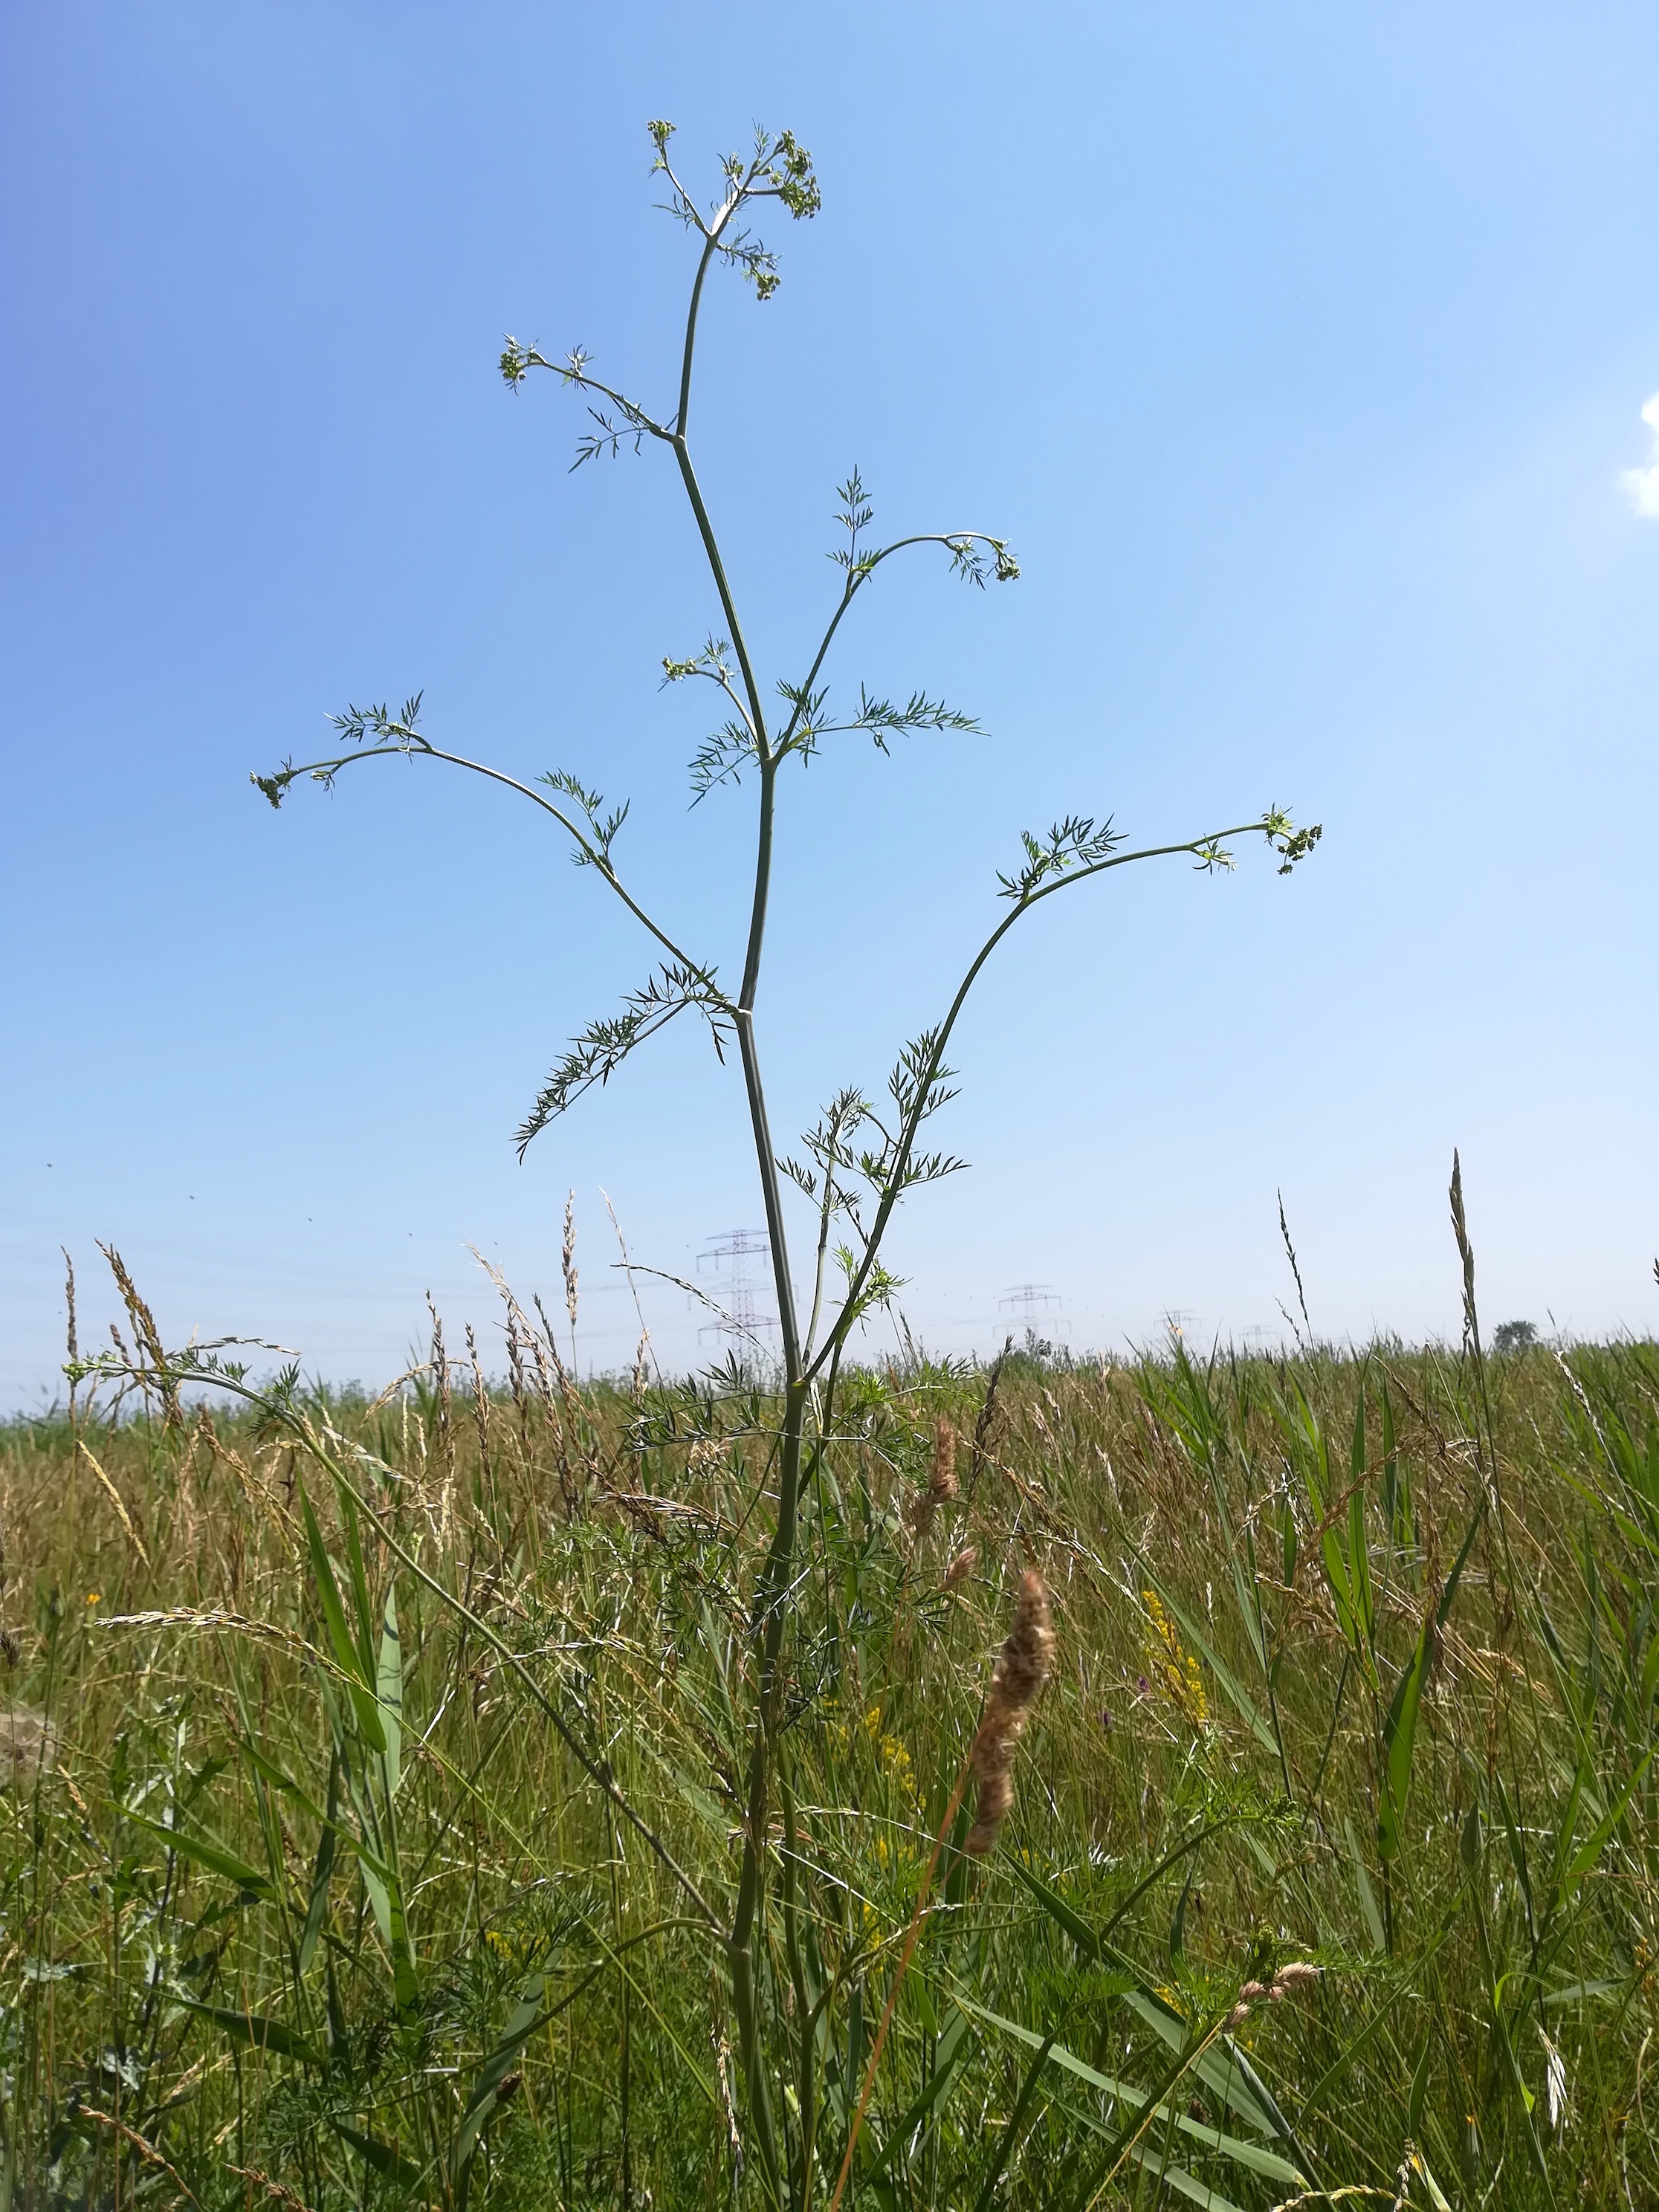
point(780, 170)
point(413, 746)
point(1197, 848)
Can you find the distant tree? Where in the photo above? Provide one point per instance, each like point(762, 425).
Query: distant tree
point(1514, 1336)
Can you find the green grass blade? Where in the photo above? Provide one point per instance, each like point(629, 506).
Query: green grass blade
point(1225, 2069)
point(389, 1688)
point(258, 2032)
point(1400, 1727)
point(526, 2018)
point(213, 1858)
point(1596, 1843)
point(350, 1660)
point(1368, 1904)
point(1016, 2120)
point(321, 1872)
point(1243, 2153)
point(947, 2060)
point(384, 2160)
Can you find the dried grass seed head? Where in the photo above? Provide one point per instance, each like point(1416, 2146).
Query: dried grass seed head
point(1022, 1667)
point(923, 1505)
point(942, 1480)
point(1024, 1662)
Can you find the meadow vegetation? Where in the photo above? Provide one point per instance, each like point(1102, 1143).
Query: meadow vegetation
point(378, 1846)
point(819, 1783)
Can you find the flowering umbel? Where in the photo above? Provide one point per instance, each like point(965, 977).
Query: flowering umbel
point(1021, 1669)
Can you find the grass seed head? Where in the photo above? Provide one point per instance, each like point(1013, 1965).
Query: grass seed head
point(1023, 1667)
point(567, 1261)
point(1298, 1974)
point(942, 1485)
point(961, 1567)
point(942, 1481)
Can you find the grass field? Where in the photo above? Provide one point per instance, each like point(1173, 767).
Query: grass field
point(380, 1841)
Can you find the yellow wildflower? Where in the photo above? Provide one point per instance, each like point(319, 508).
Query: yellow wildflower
point(1171, 1667)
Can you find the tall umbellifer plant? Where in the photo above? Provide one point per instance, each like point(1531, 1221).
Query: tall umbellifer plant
point(861, 1161)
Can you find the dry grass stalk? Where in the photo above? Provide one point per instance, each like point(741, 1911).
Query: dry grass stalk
point(573, 1423)
point(440, 1379)
point(1022, 1667)
point(148, 1336)
point(276, 2189)
point(980, 1445)
point(515, 1376)
point(480, 1403)
point(918, 1915)
point(72, 1341)
point(1021, 1670)
point(446, 1424)
point(544, 1379)
point(220, 1616)
point(146, 2150)
point(134, 1538)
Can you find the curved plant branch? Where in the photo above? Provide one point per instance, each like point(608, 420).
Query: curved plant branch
point(1075, 852)
point(405, 742)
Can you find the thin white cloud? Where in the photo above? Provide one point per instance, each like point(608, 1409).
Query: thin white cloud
point(1641, 485)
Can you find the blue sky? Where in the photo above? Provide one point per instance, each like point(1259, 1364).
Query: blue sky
point(1301, 353)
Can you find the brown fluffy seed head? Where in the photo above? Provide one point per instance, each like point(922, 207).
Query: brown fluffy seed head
point(996, 1797)
point(1297, 1975)
point(961, 1567)
point(1023, 1664)
point(1021, 1670)
point(942, 1481)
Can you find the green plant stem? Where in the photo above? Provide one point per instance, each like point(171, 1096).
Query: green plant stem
point(770, 1613)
